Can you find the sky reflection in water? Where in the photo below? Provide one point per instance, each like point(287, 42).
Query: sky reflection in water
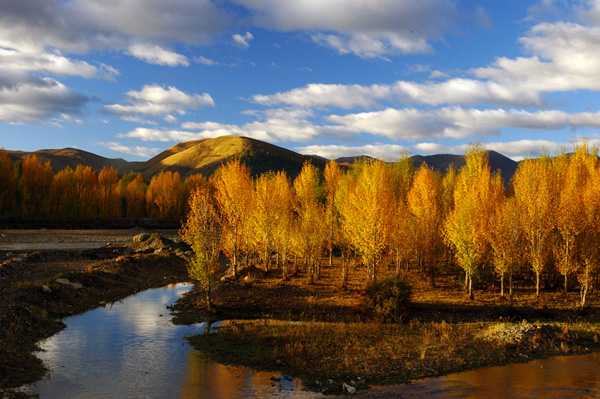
point(130, 349)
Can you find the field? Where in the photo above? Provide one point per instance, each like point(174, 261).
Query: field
point(319, 333)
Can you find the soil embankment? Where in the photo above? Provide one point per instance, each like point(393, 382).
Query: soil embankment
point(39, 288)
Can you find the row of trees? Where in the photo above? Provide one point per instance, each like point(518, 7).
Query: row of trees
point(31, 191)
point(389, 214)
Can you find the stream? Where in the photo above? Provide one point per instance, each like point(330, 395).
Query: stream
point(130, 349)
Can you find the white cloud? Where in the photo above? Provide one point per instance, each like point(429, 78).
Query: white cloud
point(205, 61)
point(154, 54)
point(157, 100)
point(164, 135)
point(382, 151)
point(26, 98)
point(244, 40)
point(53, 63)
point(368, 29)
point(131, 150)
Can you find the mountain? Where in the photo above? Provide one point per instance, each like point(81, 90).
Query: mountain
point(441, 162)
point(60, 159)
point(205, 156)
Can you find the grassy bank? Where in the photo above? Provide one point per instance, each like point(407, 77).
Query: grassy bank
point(318, 333)
point(34, 297)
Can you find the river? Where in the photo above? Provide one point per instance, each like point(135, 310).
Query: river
point(130, 349)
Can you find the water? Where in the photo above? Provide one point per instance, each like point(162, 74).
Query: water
point(130, 349)
point(558, 377)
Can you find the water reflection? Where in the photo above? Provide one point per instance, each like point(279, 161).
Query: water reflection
point(131, 349)
point(559, 377)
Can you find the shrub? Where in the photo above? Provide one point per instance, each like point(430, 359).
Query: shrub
point(387, 300)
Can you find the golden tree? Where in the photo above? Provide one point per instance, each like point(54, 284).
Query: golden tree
point(425, 204)
point(506, 239)
point(109, 194)
point(466, 226)
point(365, 211)
point(536, 199)
point(263, 217)
point(283, 227)
point(570, 218)
point(202, 231)
point(35, 185)
point(8, 186)
point(165, 196)
point(233, 191)
point(332, 175)
point(66, 197)
point(312, 224)
point(86, 180)
point(402, 240)
point(134, 193)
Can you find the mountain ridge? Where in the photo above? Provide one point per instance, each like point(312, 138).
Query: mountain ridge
point(206, 155)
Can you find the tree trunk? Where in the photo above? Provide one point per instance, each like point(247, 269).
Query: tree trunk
point(510, 289)
point(566, 285)
point(537, 284)
point(471, 297)
point(502, 285)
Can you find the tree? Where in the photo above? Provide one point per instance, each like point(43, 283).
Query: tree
point(535, 198)
point(134, 193)
point(233, 192)
point(312, 224)
point(202, 231)
point(263, 217)
point(474, 199)
point(109, 194)
point(506, 239)
point(66, 197)
point(8, 188)
point(425, 204)
point(164, 196)
point(35, 185)
point(283, 227)
point(366, 209)
point(332, 175)
point(86, 180)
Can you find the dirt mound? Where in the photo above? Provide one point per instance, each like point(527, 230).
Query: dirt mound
point(156, 243)
point(14, 268)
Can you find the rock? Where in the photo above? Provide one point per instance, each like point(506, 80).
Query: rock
point(140, 237)
point(348, 389)
point(46, 289)
point(64, 281)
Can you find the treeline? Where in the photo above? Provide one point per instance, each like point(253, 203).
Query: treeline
point(391, 215)
point(31, 192)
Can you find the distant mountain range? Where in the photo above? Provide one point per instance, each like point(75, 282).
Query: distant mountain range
point(205, 156)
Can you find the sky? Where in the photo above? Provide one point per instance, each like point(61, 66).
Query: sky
point(130, 78)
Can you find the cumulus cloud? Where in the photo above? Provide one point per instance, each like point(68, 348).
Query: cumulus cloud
point(131, 150)
point(154, 54)
point(333, 151)
point(26, 98)
point(164, 135)
point(243, 40)
point(157, 100)
point(53, 63)
point(368, 29)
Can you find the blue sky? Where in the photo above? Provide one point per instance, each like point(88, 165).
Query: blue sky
point(130, 78)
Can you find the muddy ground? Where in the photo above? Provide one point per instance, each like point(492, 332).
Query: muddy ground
point(44, 278)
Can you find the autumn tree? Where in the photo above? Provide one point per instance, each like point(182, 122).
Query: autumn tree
point(202, 231)
point(86, 180)
point(366, 209)
point(311, 218)
point(263, 217)
point(66, 198)
point(233, 192)
point(8, 186)
point(35, 184)
point(535, 198)
point(425, 205)
point(402, 227)
point(109, 201)
point(506, 239)
point(134, 194)
point(332, 175)
point(570, 218)
point(466, 226)
point(164, 197)
point(284, 233)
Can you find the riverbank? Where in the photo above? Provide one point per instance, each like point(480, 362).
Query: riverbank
point(319, 334)
point(39, 288)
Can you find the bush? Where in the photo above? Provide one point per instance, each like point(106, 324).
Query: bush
point(387, 300)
